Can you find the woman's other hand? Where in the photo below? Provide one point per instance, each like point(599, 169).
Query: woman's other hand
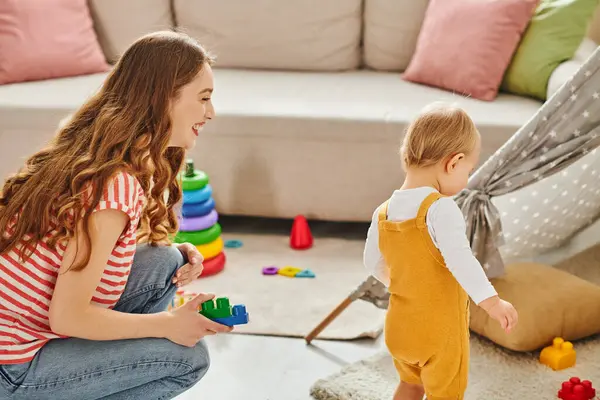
point(192, 270)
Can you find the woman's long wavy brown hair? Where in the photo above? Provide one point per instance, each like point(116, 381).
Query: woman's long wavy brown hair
point(125, 126)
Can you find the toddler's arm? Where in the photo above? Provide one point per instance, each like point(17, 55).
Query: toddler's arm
point(372, 258)
point(447, 225)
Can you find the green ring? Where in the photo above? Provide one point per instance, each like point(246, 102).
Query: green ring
point(198, 238)
point(196, 182)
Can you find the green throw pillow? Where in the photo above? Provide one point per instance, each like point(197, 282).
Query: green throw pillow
point(556, 30)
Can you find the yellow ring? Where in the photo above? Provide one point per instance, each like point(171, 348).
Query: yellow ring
point(212, 249)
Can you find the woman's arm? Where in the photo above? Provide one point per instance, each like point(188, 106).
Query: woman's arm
point(71, 311)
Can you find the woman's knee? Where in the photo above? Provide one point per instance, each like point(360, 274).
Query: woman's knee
point(198, 359)
point(167, 257)
point(173, 256)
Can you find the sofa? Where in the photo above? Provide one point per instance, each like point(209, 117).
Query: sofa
point(310, 102)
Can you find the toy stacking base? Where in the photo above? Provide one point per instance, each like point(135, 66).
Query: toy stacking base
point(213, 265)
point(199, 220)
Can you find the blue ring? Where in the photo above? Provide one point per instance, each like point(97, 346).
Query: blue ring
point(197, 196)
point(198, 210)
point(233, 243)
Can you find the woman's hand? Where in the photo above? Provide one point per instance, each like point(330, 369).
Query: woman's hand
point(187, 326)
point(192, 269)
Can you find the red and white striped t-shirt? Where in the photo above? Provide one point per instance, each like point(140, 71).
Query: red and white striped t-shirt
point(26, 288)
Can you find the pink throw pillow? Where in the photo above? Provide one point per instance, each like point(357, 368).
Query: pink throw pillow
point(466, 45)
point(43, 39)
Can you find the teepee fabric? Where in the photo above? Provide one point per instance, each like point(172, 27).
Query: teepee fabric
point(566, 128)
point(544, 215)
point(564, 131)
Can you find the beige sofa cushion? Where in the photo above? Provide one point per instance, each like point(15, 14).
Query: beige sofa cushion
point(391, 30)
point(118, 25)
point(276, 34)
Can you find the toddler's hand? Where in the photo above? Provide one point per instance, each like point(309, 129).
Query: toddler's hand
point(502, 311)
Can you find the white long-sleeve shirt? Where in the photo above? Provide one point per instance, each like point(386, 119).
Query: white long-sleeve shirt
point(447, 228)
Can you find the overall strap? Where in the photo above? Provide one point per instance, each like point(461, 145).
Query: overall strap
point(424, 208)
point(383, 211)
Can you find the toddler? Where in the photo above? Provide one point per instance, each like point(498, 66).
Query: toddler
point(417, 246)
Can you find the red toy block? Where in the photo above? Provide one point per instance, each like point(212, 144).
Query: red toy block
point(575, 389)
point(301, 237)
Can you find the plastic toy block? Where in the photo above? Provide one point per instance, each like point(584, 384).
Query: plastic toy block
point(559, 356)
point(222, 310)
point(272, 270)
point(180, 299)
point(239, 316)
point(300, 237)
point(289, 271)
point(307, 273)
point(575, 389)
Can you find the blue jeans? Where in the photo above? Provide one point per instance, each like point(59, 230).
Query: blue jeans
point(121, 369)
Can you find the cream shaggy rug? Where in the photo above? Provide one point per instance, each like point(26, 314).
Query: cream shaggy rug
point(292, 307)
point(495, 373)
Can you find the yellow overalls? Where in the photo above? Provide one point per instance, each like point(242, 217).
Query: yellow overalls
point(427, 322)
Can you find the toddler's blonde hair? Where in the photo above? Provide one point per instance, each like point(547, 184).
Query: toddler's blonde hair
point(441, 130)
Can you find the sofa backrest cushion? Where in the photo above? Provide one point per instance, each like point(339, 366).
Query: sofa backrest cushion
point(466, 45)
point(119, 25)
point(47, 39)
point(275, 34)
point(391, 30)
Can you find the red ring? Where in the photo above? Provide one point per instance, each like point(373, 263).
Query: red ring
point(213, 265)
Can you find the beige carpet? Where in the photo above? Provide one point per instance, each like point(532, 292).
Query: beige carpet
point(292, 307)
point(495, 373)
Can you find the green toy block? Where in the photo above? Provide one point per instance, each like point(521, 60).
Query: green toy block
point(222, 310)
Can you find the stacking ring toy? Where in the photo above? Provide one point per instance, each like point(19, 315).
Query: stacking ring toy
point(213, 265)
point(233, 243)
point(197, 196)
point(193, 179)
point(195, 182)
point(212, 249)
point(198, 223)
point(198, 210)
point(270, 270)
point(199, 237)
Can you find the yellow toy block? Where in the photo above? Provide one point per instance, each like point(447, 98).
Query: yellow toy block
point(289, 271)
point(559, 356)
point(180, 299)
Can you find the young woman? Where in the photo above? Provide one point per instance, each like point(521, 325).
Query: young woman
point(86, 265)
